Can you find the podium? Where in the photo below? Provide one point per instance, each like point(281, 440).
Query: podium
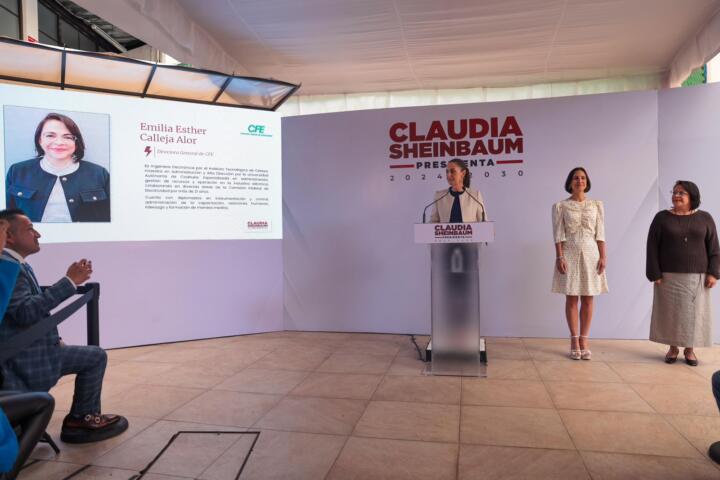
point(456, 346)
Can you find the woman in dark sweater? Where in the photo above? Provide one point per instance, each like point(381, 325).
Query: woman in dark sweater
point(683, 260)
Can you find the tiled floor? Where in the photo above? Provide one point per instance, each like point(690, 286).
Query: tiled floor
point(356, 406)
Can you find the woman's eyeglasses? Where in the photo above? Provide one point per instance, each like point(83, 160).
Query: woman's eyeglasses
point(679, 193)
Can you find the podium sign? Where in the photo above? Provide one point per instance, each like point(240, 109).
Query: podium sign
point(455, 295)
point(433, 233)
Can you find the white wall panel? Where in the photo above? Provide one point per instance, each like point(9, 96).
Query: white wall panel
point(349, 259)
point(689, 143)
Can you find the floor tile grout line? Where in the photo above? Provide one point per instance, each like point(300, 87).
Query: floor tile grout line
point(386, 375)
point(562, 421)
point(211, 425)
point(684, 368)
point(275, 404)
point(464, 404)
point(377, 387)
point(610, 410)
point(634, 389)
point(240, 437)
point(647, 455)
point(337, 457)
point(249, 366)
point(367, 403)
point(83, 467)
point(679, 432)
point(654, 414)
point(697, 460)
point(171, 434)
point(440, 442)
point(200, 392)
point(310, 372)
point(148, 427)
point(203, 392)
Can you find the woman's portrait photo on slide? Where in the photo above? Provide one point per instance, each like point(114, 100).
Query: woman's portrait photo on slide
point(57, 164)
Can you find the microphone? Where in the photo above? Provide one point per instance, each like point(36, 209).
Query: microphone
point(433, 203)
point(479, 202)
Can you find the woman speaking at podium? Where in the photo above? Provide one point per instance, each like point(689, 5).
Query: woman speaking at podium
point(455, 269)
point(458, 204)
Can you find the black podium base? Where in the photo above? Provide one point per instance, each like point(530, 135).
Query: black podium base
point(482, 352)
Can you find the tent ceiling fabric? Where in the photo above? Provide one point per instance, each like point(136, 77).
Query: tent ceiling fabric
point(352, 46)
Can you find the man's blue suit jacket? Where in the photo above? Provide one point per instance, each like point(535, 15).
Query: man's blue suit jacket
point(8, 440)
point(37, 368)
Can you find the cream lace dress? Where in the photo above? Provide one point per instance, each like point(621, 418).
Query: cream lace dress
point(579, 225)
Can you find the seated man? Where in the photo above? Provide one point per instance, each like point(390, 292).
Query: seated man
point(39, 366)
point(30, 412)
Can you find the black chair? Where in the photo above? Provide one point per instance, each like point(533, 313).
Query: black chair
point(714, 450)
point(46, 438)
point(29, 414)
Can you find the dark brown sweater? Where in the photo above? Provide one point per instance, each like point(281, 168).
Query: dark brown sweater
point(682, 244)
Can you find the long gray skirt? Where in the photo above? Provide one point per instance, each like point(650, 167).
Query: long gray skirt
point(682, 314)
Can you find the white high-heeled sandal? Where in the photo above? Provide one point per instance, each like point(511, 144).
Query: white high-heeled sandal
point(585, 354)
point(575, 354)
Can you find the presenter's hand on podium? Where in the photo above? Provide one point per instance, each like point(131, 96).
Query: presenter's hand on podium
point(658, 281)
point(79, 272)
point(561, 265)
point(601, 265)
point(710, 281)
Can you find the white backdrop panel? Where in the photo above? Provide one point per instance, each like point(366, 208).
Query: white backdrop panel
point(155, 292)
point(349, 259)
point(688, 149)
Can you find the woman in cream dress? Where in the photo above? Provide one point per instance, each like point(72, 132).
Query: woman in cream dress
point(579, 234)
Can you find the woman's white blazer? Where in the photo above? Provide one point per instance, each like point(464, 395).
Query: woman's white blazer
point(472, 210)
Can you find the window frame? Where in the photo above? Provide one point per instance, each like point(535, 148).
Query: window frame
point(101, 45)
point(19, 15)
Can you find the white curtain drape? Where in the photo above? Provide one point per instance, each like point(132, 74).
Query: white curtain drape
point(697, 50)
point(314, 104)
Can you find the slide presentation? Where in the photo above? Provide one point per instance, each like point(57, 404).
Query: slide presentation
point(89, 167)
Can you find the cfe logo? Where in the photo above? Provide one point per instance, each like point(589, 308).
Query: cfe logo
point(257, 130)
point(148, 150)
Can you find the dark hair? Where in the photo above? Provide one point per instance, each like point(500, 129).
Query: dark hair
point(464, 168)
point(568, 180)
point(70, 125)
point(11, 214)
point(692, 190)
